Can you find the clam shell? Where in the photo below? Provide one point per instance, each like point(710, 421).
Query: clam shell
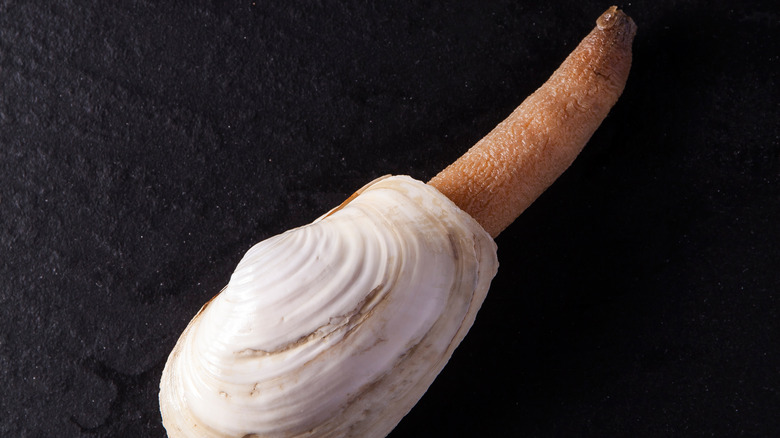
point(336, 328)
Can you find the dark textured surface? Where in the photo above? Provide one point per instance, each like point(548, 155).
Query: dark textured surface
point(145, 147)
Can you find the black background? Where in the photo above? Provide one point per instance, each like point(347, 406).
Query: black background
point(145, 147)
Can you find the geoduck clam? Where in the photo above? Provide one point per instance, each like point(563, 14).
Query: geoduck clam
point(337, 328)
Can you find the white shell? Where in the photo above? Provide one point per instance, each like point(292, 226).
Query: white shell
point(336, 328)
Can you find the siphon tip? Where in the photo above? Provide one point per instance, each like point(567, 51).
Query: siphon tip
point(614, 18)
